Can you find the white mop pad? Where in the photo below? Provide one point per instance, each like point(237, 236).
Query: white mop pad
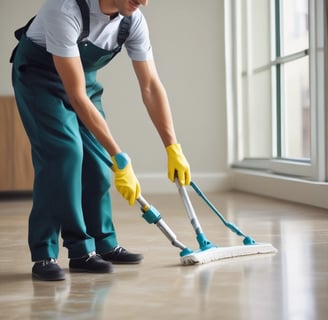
point(214, 254)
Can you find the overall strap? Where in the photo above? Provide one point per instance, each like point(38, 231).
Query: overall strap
point(85, 12)
point(19, 32)
point(124, 30)
point(18, 35)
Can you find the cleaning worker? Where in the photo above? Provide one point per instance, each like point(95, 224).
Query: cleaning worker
point(59, 100)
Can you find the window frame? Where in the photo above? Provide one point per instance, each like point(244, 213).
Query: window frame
point(316, 168)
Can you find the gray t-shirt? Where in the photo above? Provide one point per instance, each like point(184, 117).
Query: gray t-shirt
point(58, 26)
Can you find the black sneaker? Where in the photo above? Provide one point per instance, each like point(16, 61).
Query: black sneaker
point(119, 255)
point(47, 270)
point(92, 263)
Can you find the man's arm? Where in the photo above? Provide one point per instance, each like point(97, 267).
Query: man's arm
point(155, 99)
point(71, 72)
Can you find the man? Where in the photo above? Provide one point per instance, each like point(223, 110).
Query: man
point(59, 100)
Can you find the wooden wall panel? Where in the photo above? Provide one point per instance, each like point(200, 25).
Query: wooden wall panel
point(16, 170)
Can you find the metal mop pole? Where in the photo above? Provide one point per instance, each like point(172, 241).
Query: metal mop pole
point(203, 242)
point(151, 215)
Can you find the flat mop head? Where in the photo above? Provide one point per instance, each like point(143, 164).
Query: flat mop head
point(214, 254)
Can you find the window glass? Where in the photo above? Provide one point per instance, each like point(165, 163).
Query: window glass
point(257, 124)
point(295, 110)
point(294, 26)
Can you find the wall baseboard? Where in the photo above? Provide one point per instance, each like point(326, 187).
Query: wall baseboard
point(281, 187)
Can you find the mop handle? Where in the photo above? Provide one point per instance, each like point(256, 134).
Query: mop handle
point(202, 195)
point(203, 242)
point(228, 224)
point(189, 208)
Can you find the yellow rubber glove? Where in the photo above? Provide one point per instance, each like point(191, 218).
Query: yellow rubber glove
point(178, 165)
point(126, 182)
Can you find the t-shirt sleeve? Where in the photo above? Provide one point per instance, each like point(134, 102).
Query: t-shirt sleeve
point(61, 34)
point(138, 43)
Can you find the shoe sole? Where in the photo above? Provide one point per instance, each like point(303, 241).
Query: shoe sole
point(77, 270)
point(37, 277)
point(125, 262)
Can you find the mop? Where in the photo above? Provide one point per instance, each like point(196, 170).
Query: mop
point(207, 251)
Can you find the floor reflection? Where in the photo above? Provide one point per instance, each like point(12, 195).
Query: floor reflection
point(79, 297)
point(297, 272)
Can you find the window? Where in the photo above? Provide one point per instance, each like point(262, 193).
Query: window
point(277, 106)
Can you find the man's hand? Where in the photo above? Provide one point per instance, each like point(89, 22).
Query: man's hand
point(178, 165)
point(126, 182)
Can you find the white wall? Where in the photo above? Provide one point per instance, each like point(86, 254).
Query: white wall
point(188, 42)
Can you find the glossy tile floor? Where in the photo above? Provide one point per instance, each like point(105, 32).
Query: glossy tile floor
point(292, 284)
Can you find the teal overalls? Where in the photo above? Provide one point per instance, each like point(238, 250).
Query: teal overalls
point(71, 183)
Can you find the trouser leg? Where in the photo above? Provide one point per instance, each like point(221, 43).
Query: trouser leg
point(57, 154)
point(96, 200)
